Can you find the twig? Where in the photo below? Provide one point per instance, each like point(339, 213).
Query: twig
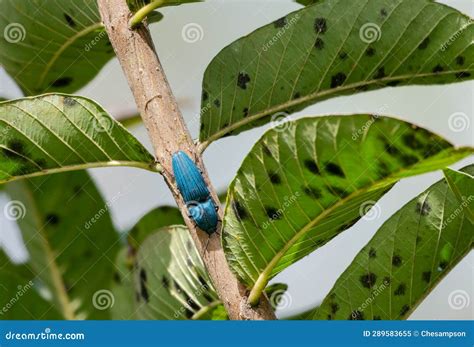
point(168, 134)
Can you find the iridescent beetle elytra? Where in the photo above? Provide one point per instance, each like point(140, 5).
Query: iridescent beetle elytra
point(202, 209)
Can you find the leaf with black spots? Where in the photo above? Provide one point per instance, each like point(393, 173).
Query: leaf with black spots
point(71, 257)
point(329, 49)
point(52, 45)
point(123, 288)
point(19, 293)
point(428, 246)
point(57, 132)
point(462, 186)
point(171, 282)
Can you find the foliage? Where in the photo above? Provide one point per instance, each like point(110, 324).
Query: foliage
point(303, 183)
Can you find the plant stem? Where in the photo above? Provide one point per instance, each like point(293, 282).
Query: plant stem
point(142, 13)
point(168, 134)
point(204, 310)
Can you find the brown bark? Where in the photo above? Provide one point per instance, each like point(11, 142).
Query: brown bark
point(168, 134)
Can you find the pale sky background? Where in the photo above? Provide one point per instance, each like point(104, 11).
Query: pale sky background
point(222, 22)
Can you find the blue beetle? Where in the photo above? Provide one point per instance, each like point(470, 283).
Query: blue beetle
point(204, 214)
point(202, 209)
point(189, 178)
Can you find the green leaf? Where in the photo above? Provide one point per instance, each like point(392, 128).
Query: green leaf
point(216, 313)
point(123, 289)
point(56, 132)
point(307, 2)
point(19, 295)
point(150, 223)
point(52, 45)
point(406, 258)
point(170, 278)
point(123, 286)
point(305, 315)
point(332, 48)
point(301, 186)
point(276, 289)
point(68, 233)
point(461, 185)
point(154, 17)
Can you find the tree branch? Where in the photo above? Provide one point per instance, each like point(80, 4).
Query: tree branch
point(168, 134)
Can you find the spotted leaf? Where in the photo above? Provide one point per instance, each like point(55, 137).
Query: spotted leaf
point(70, 238)
point(408, 256)
point(19, 283)
point(51, 45)
point(300, 187)
point(122, 288)
point(332, 48)
point(170, 279)
point(56, 132)
point(462, 186)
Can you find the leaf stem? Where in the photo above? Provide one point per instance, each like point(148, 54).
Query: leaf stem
point(142, 13)
point(204, 310)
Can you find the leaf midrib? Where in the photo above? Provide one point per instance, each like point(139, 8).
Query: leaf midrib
point(262, 280)
point(310, 97)
point(113, 163)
